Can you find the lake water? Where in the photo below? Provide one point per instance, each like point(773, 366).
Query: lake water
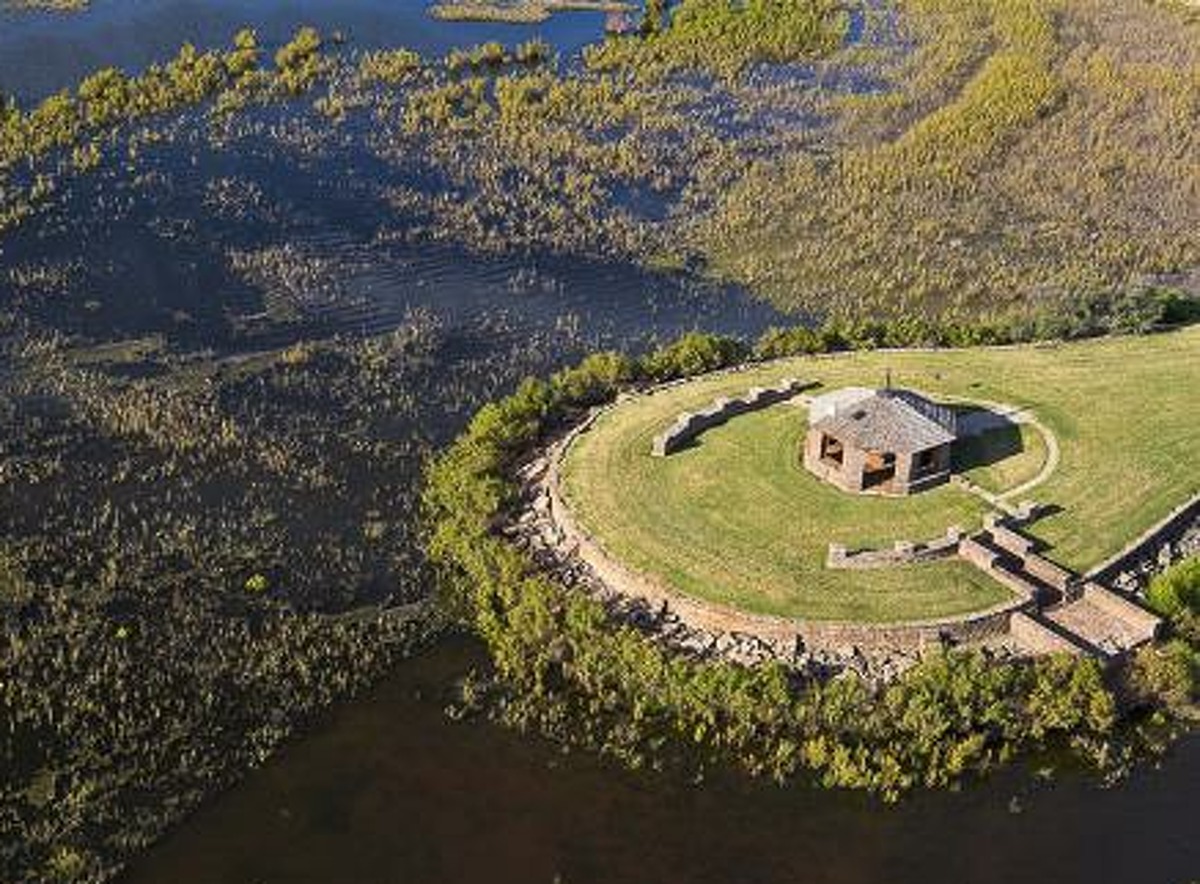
point(387, 788)
point(41, 52)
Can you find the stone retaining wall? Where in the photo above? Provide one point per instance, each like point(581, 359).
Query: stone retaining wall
point(1033, 563)
point(902, 552)
point(1143, 623)
point(691, 424)
point(1038, 638)
point(1171, 528)
point(1052, 574)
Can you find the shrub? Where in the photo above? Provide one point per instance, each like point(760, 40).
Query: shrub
point(243, 59)
point(1069, 696)
point(299, 61)
point(1177, 307)
point(776, 343)
point(1176, 591)
point(1164, 675)
point(596, 379)
point(694, 353)
point(389, 66)
point(533, 53)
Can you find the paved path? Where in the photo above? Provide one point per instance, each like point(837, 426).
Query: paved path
point(1053, 455)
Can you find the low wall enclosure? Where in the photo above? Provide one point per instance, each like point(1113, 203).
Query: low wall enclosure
point(1050, 610)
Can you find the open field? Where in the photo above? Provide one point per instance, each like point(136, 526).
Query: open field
point(735, 519)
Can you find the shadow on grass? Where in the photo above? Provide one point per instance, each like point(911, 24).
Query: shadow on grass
point(985, 437)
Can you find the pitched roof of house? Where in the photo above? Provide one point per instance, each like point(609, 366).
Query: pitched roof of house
point(886, 420)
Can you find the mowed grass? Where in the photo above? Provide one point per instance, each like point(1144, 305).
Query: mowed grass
point(736, 519)
point(1002, 459)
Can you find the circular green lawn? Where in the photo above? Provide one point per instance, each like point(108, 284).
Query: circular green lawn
point(736, 519)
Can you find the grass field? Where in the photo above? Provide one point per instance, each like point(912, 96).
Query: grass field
point(736, 519)
point(1002, 459)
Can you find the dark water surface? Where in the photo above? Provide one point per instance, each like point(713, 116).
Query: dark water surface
point(387, 788)
point(391, 790)
point(41, 52)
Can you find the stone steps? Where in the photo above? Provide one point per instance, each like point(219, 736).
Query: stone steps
point(1065, 614)
point(1034, 635)
point(1110, 623)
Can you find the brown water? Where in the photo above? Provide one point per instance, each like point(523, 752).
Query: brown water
point(391, 790)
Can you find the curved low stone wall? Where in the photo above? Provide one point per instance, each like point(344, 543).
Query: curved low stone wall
point(691, 424)
point(902, 552)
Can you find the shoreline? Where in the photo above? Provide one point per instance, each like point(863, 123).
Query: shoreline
point(543, 525)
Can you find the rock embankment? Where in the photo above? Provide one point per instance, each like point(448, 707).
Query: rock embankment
point(1071, 609)
point(543, 526)
point(1175, 538)
point(536, 531)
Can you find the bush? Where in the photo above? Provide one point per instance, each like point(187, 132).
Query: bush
point(533, 53)
point(389, 66)
point(595, 380)
point(1176, 591)
point(694, 353)
point(299, 61)
point(776, 343)
point(244, 57)
point(564, 667)
point(1164, 675)
point(1176, 307)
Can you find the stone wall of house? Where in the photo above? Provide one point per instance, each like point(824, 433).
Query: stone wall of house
point(847, 476)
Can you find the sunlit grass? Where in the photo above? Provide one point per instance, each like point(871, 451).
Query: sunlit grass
point(736, 520)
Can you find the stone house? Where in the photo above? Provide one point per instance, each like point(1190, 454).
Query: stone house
point(879, 441)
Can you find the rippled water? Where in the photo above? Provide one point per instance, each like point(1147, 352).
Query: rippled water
point(251, 248)
point(254, 245)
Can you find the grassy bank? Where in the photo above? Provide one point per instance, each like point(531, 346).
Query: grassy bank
point(564, 668)
point(737, 520)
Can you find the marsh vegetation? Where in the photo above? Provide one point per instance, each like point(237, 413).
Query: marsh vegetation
point(936, 159)
point(45, 5)
point(519, 11)
point(214, 417)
